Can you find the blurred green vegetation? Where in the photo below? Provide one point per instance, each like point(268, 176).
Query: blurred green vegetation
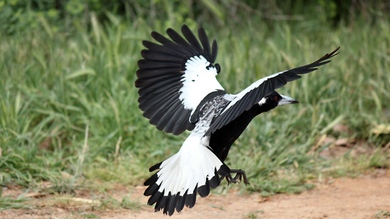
point(18, 15)
point(69, 111)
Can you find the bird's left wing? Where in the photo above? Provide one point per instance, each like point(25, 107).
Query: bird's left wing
point(174, 77)
point(244, 100)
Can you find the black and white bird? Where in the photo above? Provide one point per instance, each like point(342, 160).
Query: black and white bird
point(178, 91)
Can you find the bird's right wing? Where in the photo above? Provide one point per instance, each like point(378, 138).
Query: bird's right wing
point(244, 100)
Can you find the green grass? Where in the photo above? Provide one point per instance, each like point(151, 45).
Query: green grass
point(69, 111)
point(13, 203)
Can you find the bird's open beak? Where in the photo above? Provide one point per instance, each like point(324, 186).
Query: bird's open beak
point(287, 100)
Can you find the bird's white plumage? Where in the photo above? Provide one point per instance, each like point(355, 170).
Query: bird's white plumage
point(198, 81)
point(188, 168)
point(262, 101)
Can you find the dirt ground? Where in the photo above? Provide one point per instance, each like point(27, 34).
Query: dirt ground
point(366, 196)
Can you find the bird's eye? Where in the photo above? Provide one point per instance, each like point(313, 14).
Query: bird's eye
point(276, 98)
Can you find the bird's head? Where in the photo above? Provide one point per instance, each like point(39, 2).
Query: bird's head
point(275, 99)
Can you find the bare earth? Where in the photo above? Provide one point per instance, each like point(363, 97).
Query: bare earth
point(363, 197)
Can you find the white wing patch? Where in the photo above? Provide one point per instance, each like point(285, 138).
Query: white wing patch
point(198, 81)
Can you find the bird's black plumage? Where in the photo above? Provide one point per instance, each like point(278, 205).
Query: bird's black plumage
point(178, 91)
point(222, 139)
point(269, 85)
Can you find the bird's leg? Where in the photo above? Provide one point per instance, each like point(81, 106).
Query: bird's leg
point(240, 175)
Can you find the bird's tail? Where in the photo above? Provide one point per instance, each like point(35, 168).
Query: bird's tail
point(194, 169)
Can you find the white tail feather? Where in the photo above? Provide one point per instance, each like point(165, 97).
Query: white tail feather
point(189, 168)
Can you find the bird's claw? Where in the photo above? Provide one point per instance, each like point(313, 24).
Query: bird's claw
point(240, 176)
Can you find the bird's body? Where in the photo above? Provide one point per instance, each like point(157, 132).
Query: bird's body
point(222, 139)
point(178, 91)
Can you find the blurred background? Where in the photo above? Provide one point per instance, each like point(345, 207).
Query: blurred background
point(18, 15)
point(69, 116)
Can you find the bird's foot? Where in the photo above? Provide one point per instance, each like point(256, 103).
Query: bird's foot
point(240, 176)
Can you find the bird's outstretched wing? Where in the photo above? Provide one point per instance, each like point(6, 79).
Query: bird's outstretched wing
point(244, 100)
point(174, 76)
